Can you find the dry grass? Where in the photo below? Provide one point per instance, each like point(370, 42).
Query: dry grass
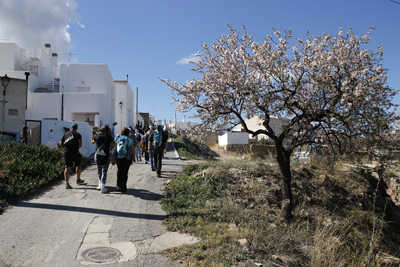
point(337, 221)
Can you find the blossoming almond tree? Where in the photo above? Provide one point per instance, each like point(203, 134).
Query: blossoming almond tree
point(328, 85)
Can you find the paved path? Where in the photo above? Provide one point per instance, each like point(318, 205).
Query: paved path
point(60, 227)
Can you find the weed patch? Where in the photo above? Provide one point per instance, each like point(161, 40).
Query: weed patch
point(234, 208)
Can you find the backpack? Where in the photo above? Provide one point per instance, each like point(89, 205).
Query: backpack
point(70, 140)
point(121, 146)
point(101, 151)
point(101, 154)
point(138, 138)
point(157, 138)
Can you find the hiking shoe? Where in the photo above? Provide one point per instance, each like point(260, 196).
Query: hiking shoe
point(103, 191)
point(68, 186)
point(80, 181)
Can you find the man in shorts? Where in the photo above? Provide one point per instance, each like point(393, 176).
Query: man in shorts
point(72, 142)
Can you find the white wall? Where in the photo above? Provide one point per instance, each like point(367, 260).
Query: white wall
point(43, 105)
point(53, 131)
point(96, 76)
point(124, 117)
point(233, 138)
point(255, 123)
point(10, 56)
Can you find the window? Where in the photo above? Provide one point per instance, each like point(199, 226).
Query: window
point(7, 137)
point(83, 89)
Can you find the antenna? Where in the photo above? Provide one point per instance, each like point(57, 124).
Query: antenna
point(70, 55)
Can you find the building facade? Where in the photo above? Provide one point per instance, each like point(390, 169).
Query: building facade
point(62, 92)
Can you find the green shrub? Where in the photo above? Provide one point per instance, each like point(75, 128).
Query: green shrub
point(187, 191)
point(25, 168)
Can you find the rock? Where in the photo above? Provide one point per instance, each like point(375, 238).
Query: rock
point(387, 260)
point(394, 189)
point(243, 241)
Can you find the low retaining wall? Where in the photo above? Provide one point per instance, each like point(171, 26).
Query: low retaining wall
point(251, 150)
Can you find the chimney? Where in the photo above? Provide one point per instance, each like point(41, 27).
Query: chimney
point(47, 48)
point(54, 59)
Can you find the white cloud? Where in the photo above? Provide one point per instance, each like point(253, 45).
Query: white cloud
point(36, 23)
point(187, 60)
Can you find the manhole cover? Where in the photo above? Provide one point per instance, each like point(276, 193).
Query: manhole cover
point(101, 254)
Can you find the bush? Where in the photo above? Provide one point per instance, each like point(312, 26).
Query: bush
point(25, 168)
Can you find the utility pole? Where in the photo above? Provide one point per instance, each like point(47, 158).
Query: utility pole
point(137, 105)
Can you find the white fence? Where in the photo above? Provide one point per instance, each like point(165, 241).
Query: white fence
point(233, 138)
point(53, 131)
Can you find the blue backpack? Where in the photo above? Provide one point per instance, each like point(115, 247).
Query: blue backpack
point(157, 138)
point(122, 146)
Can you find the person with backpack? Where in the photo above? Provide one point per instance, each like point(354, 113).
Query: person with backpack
point(149, 152)
point(72, 142)
point(138, 151)
point(124, 143)
point(158, 143)
point(104, 144)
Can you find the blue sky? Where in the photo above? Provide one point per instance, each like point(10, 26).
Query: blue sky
point(154, 38)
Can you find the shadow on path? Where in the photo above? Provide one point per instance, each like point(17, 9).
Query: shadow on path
point(92, 210)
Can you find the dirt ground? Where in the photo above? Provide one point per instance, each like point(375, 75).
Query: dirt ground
point(223, 155)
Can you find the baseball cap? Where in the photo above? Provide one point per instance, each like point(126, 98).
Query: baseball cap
point(74, 125)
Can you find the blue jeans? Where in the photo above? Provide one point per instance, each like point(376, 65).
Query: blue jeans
point(151, 159)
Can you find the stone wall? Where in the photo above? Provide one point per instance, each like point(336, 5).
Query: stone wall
point(262, 151)
point(251, 150)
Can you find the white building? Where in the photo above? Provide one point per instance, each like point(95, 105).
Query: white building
point(174, 126)
point(67, 92)
point(255, 123)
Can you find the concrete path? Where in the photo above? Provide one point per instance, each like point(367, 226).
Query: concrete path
point(82, 227)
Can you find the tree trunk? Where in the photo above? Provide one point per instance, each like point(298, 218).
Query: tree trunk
point(283, 158)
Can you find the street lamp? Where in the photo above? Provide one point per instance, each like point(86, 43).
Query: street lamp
point(5, 80)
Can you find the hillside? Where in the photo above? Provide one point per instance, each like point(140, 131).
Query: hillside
point(233, 205)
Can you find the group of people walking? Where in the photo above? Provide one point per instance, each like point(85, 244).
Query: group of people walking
point(128, 147)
